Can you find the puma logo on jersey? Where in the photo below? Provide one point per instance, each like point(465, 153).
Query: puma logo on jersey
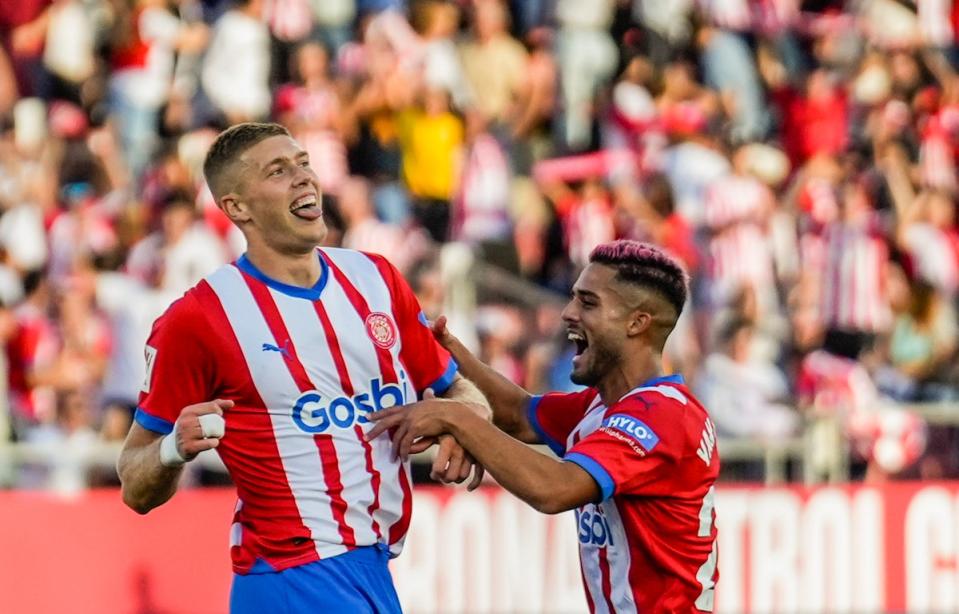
point(284, 349)
point(707, 443)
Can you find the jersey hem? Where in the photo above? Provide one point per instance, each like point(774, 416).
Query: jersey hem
point(302, 559)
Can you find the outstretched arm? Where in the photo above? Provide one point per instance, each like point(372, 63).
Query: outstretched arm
point(548, 485)
point(507, 400)
point(150, 464)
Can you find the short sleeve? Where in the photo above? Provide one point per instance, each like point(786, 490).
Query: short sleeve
point(630, 453)
point(554, 416)
point(430, 365)
point(178, 366)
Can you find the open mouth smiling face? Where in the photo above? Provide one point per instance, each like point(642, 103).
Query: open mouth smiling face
point(581, 342)
point(307, 207)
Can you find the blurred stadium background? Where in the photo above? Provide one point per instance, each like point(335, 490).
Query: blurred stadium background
point(799, 156)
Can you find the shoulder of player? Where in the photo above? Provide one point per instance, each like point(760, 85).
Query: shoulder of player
point(352, 261)
point(186, 315)
point(580, 398)
point(338, 254)
point(668, 404)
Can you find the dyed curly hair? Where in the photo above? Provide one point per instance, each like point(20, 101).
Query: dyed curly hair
point(645, 265)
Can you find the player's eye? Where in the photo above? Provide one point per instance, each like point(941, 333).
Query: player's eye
point(276, 171)
point(305, 163)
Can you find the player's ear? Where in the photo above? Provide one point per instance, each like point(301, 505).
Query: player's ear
point(638, 323)
point(234, 206)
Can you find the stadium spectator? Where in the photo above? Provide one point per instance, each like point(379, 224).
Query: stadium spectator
point(638, 457)
point(431, 141)
point(240, 40)
point(142, 74)
point(274, 330)
point(746, 396)
point(180, 252)
point(495, 64)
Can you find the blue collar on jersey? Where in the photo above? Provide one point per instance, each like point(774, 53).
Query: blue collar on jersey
point(664, 379)
point(312, 294)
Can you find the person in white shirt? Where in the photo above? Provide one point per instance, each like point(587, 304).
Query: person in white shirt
point(236, 69)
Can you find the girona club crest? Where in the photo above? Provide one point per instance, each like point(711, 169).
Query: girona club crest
point(381, 329)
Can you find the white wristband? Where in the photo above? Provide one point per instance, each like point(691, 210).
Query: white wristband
point(169, 455)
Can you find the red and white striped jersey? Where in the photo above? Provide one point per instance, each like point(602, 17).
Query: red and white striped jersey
point(739, 250)
point(850, 263)
point(303, 366)
point(650, 544)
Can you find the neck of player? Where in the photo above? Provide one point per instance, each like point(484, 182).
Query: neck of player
point(641, 366)
point(302, 269)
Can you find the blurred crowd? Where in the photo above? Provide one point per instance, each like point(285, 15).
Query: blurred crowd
point(799, 157)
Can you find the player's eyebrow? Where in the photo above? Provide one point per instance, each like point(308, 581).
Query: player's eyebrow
point(584, 293)
point(281, 159)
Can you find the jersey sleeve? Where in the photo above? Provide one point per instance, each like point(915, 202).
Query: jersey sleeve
point(554, 416)
point(632, 452)
point(179, 368)
point(430, 365)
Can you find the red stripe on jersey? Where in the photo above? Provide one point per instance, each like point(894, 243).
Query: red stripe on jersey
point(375, 478)
point(324, 443)
point(606, 580)
point(385, 272)
point(589, 597)
point(347, 385)
point(269, 467)
point(399, 529)
point(334, 486)
point(335, 350)
point(385, 359)
point(362, 307)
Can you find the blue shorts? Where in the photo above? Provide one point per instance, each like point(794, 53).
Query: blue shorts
point(357, 582)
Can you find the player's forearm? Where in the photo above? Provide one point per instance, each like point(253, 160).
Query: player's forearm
point(507, 400)
point(145, 482)
point(544, 483)
point(465, 391)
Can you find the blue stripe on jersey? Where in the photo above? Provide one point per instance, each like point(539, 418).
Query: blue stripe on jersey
point(442, 384)
point(152, 423)
point(596, 471)
point(676, 378)
point(313, 294)
point(557, 448)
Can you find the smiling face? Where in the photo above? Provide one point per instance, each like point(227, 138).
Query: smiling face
point(276, 201)
point(596, 321)
point(617, 325)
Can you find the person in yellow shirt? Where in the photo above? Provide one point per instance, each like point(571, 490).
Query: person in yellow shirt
point(431, 140)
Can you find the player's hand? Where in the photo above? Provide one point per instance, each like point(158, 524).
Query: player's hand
point(408, 423)
point(453, 464)
point(442, 334)
point(194, 434)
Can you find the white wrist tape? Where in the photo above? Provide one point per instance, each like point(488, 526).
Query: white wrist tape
point(212, 426)
point(169, 455)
